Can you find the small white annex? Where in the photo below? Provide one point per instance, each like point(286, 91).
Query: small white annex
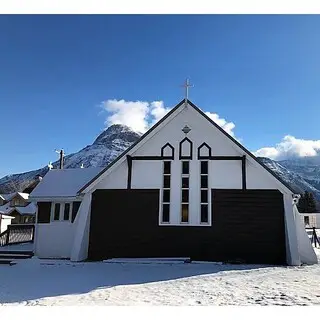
point(5, 221)
point(57, 191)
point(186, 188)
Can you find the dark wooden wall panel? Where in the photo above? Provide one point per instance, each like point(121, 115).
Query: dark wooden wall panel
point(247, 225)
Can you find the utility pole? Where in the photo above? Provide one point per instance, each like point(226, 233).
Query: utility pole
point(61, 157)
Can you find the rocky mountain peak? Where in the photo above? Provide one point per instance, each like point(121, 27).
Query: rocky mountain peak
point(116, 132)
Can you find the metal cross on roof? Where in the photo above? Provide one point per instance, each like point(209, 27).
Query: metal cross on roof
point(187, 85)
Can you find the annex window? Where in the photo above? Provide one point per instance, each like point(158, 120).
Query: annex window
point(165, 217)
point(61, 211)
point(66, 211)
point(185, 177)
point(306, 220)
point(204, 192)
point(56, 212)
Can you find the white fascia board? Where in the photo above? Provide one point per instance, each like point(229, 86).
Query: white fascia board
point(55, 199)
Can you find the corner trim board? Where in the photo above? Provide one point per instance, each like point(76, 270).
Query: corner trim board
point(244, 173)
point(129, 161)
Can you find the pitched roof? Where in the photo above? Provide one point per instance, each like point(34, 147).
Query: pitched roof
point(23, 195)
point(63, 182)
point(30, 209)
point(8, 196)
point(6, 209)
point(206, 117)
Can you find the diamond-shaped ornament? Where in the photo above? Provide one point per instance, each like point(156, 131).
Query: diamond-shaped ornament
point(186, 129)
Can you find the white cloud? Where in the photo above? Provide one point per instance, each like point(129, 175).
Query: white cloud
point(290, 147)
point(130, 113)
point(141, 115)
point(226, 126)
point(157, 111)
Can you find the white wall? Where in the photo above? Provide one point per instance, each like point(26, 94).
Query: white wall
point(4, 223)
point(54, 240)
point(306, 251)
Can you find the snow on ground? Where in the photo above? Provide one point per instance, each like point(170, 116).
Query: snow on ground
point(52, 282)
point(20, 247)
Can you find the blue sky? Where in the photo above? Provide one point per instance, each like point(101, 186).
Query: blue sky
point(261, 72)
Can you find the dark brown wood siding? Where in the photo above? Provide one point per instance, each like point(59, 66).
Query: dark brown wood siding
point(44, 212)
point(247, 226)
point(250, 225)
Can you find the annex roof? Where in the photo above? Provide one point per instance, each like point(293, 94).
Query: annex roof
point(60, 183)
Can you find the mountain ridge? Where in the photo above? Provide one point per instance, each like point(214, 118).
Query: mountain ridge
point(303, 174)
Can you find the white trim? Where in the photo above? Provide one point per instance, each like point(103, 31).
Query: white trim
point(56, 199)
point(292, 247)
point(61, 212)
point(90, 187)
point(161, 222)
point(209, 223)
point(184, 175)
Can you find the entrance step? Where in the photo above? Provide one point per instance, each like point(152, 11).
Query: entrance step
point(149, 260)
point(7, 262)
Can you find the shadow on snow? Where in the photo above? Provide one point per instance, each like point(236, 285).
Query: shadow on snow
point(35, 279)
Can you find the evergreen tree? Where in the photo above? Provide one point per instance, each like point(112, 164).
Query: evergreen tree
point(311, 203)
point(302, 203)
point(307, 203)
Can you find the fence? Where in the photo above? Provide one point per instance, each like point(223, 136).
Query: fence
point(17, 233)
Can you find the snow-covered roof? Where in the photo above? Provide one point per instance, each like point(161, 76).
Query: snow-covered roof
point(27, 210)
point(4, 216)
point(59, 183)
point(6, 209)
point(30, 209)
point(25, 196)
point(8, 196)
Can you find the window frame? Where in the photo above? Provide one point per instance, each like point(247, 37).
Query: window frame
point(184, 175)
point(61, 211)
point(163, 190)
point(207, 189)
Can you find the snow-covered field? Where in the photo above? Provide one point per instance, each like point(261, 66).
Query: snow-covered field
point(45, 282)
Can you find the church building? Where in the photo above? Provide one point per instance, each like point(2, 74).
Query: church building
point(186, 188)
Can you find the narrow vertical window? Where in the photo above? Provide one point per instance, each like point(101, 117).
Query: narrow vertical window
point(166, 192)
point(204, 192)
point(56, 215)
point(66, 214)
point(185, 177)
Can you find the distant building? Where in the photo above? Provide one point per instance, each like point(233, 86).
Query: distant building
point(18, 206)
point(311, 220)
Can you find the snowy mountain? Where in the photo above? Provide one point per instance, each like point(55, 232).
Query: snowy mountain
point(296, 174)
point(107, 146)
point(303, 174)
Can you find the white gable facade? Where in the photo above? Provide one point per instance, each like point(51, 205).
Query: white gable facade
point(194, 192)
